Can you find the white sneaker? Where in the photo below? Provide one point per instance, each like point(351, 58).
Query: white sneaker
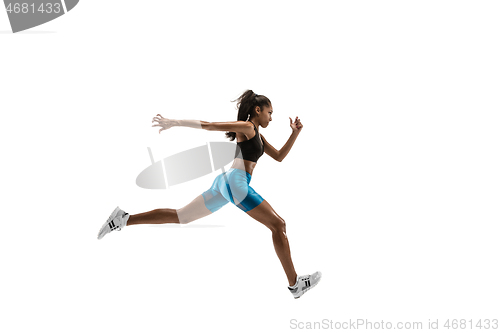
point(116, 221)
point(304, 283)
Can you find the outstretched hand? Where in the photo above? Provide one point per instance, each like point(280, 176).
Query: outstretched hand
point(163, 122)
point(297, 125)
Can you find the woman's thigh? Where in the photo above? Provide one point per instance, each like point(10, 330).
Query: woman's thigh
point(196, 209)
point(239, 192)
point(266, 215)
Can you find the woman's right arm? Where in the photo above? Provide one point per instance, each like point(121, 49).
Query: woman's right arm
point(231, 126)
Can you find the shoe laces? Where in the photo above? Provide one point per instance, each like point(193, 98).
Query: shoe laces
point(305, 277)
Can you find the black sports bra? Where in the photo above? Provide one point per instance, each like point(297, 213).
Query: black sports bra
point(251, 149)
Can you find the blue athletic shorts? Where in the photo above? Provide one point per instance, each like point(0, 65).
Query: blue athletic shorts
point(233, 186)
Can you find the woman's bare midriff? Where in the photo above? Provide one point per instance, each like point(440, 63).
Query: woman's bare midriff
point(240, 163)
point(244, 165)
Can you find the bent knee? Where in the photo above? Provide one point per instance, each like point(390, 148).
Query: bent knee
point(278, 225)
point(185, 216)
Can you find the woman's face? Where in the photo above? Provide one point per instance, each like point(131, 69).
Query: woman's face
point(265, 116)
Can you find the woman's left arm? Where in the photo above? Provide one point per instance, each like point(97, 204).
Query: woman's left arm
point(279, 155)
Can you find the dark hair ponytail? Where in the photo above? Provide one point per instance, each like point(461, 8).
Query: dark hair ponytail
point(246, 107)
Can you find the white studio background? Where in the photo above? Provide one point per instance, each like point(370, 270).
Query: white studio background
point(391, 189)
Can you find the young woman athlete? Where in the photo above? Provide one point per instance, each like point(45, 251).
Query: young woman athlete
point(233, 186)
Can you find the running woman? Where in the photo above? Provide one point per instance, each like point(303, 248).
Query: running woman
point(254, 111)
